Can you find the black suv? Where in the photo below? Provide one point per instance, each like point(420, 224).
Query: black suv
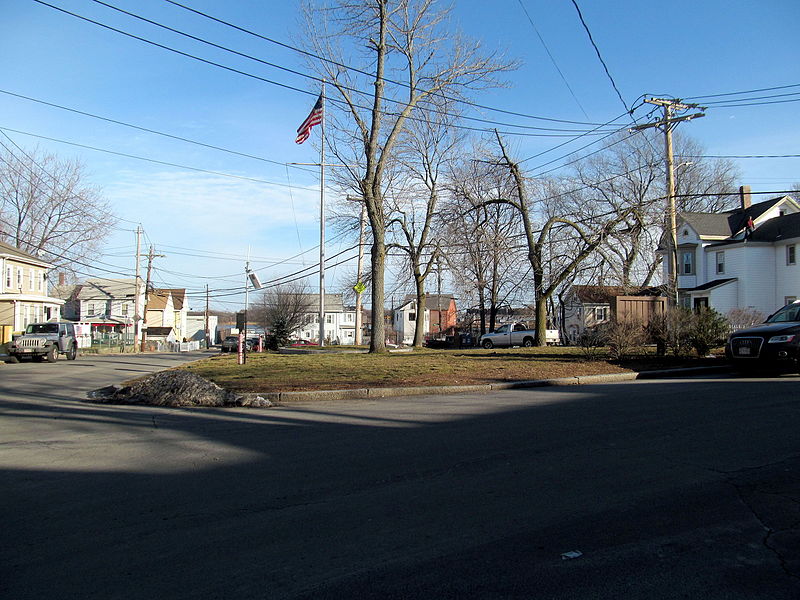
point(774, 345)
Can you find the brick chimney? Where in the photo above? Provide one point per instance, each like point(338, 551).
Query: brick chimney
point(62, 278)
point(744, 196)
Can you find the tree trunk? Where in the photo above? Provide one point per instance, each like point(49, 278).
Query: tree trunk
point(419, 325)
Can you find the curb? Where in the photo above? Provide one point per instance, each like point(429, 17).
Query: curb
point(279, 398)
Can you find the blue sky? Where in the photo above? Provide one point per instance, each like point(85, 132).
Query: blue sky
point(204, 222)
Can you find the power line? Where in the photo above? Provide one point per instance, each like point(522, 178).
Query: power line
point(273, 82)
point(147, 130)
point(759, 90)
point(552, 59)
point(359, 71)
point(599, 56)
point(151, 160)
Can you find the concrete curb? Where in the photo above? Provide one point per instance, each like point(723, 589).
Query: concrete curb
point(279, 398)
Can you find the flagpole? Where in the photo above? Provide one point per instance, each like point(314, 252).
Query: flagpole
point(322, 225)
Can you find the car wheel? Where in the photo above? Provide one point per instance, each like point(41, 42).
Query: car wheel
point(12, 359)
point(488, 344)
point(527, 342)
point(52, 354)
point(72, 354)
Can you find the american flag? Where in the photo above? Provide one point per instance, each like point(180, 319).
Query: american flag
point(313, 118)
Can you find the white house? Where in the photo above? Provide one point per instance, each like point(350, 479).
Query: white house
point(439, 317)
point(743, 258)
point(168, 308)
point(340, 321)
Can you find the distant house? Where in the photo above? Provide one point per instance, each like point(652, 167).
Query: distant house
point(108, 305)
point(196, 326)
point(23, 290)
point(340, 321)
point(743, 258)
point(168, 308)
point(586, 307)
point(439, 319)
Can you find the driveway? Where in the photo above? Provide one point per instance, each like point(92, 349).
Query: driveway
point(667, 489)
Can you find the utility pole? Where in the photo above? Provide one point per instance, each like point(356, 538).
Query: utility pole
point(667, 124)
point(208, 335)
point(150, 256)
point(137, 326)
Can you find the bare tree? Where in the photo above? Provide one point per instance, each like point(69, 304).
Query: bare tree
point(629, 176)
point(426, 150)
point(406, 58)
point(49, 210)
point(586, 236)
point(284, 309)
point(482, 248)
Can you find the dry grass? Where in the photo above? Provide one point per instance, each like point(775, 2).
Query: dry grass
point(324, 370)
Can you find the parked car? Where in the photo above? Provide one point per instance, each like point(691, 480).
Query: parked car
point(774, 345)
point(516, 334)
point(299, 343)
point(231, 344)
point(45, 341)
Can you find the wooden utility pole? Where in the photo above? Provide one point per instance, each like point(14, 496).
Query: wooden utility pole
point(137, 326)
point(150, 256)
point(208, 334)
point(666, 125)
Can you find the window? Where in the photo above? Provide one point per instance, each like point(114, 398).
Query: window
point(90, 308)
point(601, 313)
point(790, 255)
point(40, 282)
point(19, 278)
point(687, 262)
point(30, 280)
point(329, 319)
point(9, 277)
point(412, 316)
point(124, 309)
point(720, 263)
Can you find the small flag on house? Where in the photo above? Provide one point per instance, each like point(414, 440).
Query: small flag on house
point(313, 118)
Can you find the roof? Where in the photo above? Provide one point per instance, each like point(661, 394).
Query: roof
point(14, 252)
point(157, 299)
point(105, 289)
point(158, 331)
point(603, 294)
point(731, 222)
point(432, 301)
point(333, 302)
point(785, 227)
point(710, 285)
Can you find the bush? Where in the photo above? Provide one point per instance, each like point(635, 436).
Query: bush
point(671, 331)
point(741, 318)
point(591, 340)
point(623, 337)
point(709, 330)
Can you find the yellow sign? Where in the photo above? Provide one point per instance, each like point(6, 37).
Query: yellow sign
point(359, 287)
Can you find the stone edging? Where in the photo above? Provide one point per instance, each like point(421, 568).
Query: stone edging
point(278, 398)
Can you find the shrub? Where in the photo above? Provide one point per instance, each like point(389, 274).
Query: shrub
point(671, 331)
point(591, 340)
point(709, 329)
point(623, 337)
point(741, 318)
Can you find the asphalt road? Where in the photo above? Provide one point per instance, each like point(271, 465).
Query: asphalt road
point(668, 489)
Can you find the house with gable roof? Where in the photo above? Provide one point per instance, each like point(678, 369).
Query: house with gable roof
point(168, 308)
point(23, 290)
point(742, 258)
point(439, 318)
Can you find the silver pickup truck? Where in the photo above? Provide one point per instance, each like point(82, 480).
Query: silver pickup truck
point(515, 334)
